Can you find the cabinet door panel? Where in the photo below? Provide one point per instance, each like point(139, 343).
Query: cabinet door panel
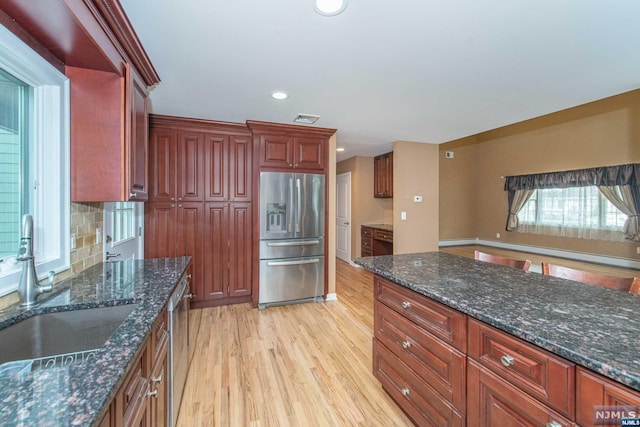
point(190, 167)
point(160, 226)
point(494, 402)
point(276, 151)
point(191, 225)
point(216, 247)
point(595, 390)
point(163, 165)
point(240, 169)
point(216, 152)
point(137, 136)
point(310, 153)
point(240, 261)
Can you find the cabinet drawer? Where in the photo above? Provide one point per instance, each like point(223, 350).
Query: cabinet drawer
point(159, 336)
point(366, 232)
point(446, 323)
point(366, 244)
point(133, 393)
point(419, 401)
point(595, 390)
point(438, 364)
point(544, 376)
point(492, 401)
point(364, 253)
point(385, 236)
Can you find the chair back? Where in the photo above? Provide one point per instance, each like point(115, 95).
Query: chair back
point(626, 284)
point(495, 259)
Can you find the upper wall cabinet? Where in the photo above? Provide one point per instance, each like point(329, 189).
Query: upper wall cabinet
point(383, 176)
point(109, 75)
point(286, 147)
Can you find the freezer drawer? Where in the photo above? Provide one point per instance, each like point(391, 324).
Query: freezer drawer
point(291, 248)
point(291, 279)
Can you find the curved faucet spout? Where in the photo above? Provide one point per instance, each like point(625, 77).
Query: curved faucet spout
point(28, 287)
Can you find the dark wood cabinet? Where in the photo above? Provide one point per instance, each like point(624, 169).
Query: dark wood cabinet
point(286, 147)
point(109, 74)
point(114, 166)
point(203, 171)
point(375, 241)
point(383, 176)
point(228, 264)
point(142, 399)
point(594, 390)
point(492, 401)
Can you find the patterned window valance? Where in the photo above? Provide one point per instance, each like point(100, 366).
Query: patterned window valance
point(601, 176)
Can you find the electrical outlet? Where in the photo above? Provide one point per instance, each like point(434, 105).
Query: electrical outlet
point(497, 235)
point(73, 242)
point(403, 216)
point(638, 250)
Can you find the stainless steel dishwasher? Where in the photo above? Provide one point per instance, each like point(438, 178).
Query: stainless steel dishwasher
point(178, 345)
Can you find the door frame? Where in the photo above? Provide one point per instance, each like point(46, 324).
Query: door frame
point(349, 234)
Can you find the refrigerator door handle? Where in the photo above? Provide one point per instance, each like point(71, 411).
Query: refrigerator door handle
point(304, 243)
point(300, 262)
point(299, 205)
point(289, 214)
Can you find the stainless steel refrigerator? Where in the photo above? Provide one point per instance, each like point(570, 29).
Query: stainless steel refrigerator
point(291, 237)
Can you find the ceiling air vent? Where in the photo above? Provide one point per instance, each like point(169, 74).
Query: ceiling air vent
point(308, 119)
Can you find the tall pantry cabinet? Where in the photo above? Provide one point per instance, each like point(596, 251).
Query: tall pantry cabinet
point(200, 204)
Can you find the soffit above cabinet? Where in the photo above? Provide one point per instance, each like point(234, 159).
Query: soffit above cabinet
point(93, 34)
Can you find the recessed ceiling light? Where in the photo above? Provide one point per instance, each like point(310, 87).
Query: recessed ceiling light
point(329, 7)
point(340, 149)
point(279, 95)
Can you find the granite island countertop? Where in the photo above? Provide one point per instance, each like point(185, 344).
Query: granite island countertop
point(591, 326)
point(80, 394)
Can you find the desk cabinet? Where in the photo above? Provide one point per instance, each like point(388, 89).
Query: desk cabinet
point(375, 242)
point(383, 176)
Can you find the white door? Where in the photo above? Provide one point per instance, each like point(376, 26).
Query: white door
point(343, 216)
point(123, 230)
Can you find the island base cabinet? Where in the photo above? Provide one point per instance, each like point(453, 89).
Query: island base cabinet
point(593, 390)
point(492, 401)
point(418, 400)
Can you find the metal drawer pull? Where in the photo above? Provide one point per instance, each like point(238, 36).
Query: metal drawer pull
point(157, 379)
point(554, 424)
point(406, 304)
point(153, 393)
point(507, 360)
point(405, 391)
point(406, 344)
point(301, 262)
point(305, 243)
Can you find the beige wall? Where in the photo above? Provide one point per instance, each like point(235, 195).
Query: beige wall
point(365, 209)
point(473, 202)
point(415, 173)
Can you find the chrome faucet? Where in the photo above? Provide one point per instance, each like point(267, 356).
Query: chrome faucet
point(28, 287)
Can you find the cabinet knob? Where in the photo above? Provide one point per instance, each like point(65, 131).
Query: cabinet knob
point(554, 424)
point(406, 344)
point(157, 379)
point(405, 391)
point(507, 360)
point(406, 304)
point(132, 195)
point(153, 393)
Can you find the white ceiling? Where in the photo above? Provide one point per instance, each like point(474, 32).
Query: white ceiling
point(414, 70)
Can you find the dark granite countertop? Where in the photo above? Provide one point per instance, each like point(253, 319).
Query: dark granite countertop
point(591, 326)
point(79, 395)
point(383, 227)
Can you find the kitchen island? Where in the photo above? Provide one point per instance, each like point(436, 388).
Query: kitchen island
point(487, 307)
point(80, 394)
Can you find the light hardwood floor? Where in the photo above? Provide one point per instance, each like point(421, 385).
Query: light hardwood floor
point(296, 365)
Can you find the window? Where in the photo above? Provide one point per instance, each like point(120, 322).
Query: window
point(572, 212)
point(124, 221)
point(34, 159)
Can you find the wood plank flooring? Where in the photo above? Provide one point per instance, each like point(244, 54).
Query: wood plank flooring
point(296, 365)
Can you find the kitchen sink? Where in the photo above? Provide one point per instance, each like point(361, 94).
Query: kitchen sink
point(59, 338)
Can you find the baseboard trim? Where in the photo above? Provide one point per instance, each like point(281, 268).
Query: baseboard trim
point(331, 297)
point(540, 250)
